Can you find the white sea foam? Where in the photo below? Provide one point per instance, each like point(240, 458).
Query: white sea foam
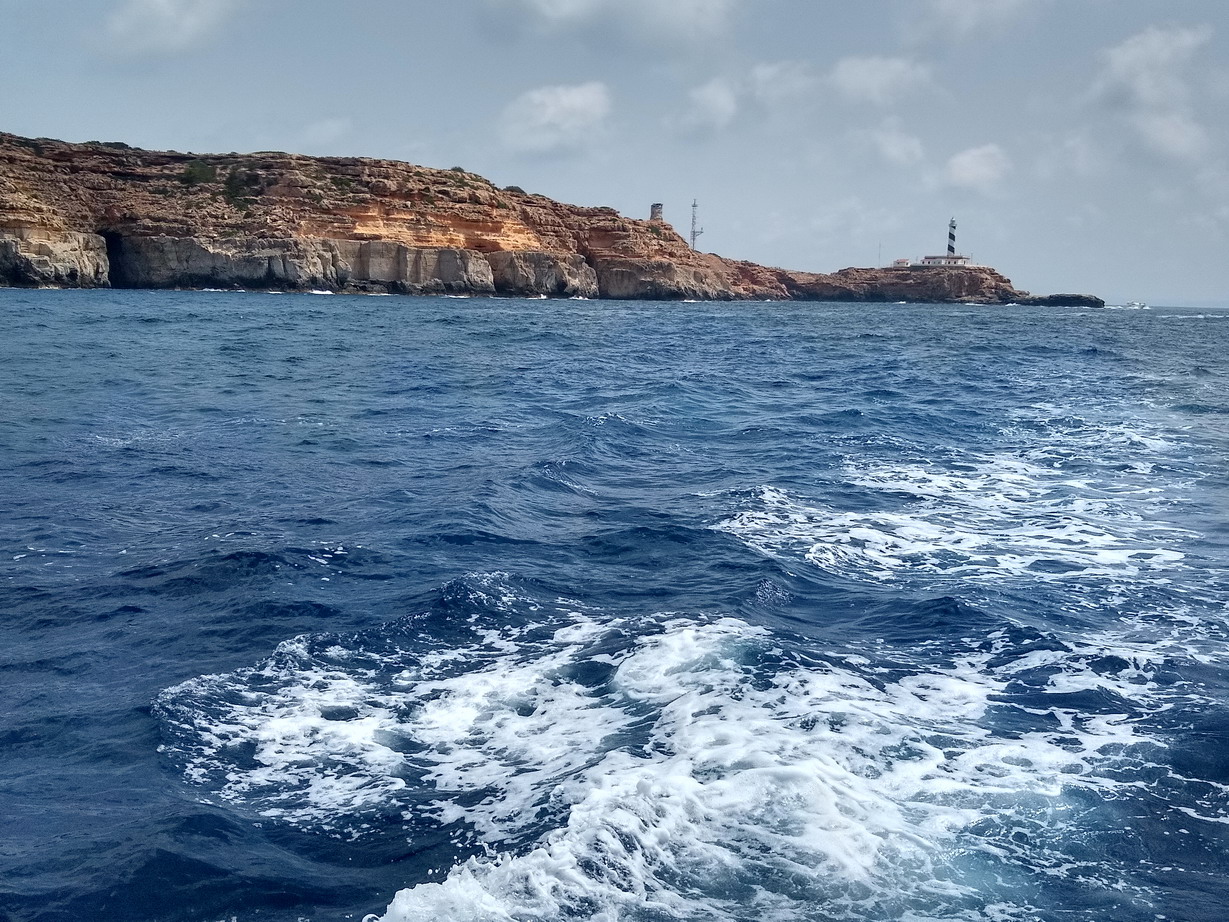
point(1071, 500)
point(713, 771)
point(808, 792)
point(975, 531)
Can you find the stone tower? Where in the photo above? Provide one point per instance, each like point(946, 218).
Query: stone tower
point(655, 212)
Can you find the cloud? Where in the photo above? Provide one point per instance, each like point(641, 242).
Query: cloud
point(686, 16)
point(1076, 154)
point(1144, 81)
point(965, 17)
point(1173, 134)
point(894, 144)
point(164, 26)
point(713, 105)
point(780, 86)
point(561, 10)
point(782, 82)
point(555, 118)
point(979, 169)
point(1144, 68)
point(694, 18)
point(877, 80)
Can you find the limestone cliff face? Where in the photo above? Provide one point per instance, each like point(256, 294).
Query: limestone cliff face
point(530, 273)
point(38, 256)
point(663, 280)
point(296, 264)
point(83, 215)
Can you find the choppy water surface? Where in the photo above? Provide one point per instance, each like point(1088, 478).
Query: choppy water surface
point(443, 609)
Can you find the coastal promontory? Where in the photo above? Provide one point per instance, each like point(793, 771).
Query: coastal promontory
point(103, 214)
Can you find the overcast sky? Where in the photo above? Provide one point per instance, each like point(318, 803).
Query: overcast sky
point(1082, 145)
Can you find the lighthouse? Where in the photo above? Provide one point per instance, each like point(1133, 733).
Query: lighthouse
point(951, 260)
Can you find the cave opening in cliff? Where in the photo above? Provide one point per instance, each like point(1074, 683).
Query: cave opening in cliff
point(116, 273)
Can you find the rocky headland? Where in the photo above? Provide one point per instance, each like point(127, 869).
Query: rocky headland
point(99, 215)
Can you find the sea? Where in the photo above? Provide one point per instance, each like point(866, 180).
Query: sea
point(455, 610)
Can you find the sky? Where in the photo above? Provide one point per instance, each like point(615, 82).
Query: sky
point(1081, 145)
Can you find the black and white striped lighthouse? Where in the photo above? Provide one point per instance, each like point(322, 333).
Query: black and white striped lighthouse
point(951, 259)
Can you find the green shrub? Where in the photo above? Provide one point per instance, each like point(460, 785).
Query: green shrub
point(235, 184)
point(197, 172)
point(241, 184)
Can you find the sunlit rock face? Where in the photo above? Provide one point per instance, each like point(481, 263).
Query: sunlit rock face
point(98, 214)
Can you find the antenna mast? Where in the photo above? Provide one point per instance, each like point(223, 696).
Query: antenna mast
point(696, 230)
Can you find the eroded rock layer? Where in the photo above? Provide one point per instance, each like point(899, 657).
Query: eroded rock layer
point(98, 214)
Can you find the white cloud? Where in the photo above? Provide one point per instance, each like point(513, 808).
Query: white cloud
point(782, 82)
point(677, 17)
point(877, 80)
point(713, 105)
point(1145, 81)
point(979, 169)
point(563, 10)
point(1145, 68)
point(555, 118)
point(684, 16)
point(1172, 134)
point(895, 145)
point(965, 17)
point(1077, 154)
point(164, 26)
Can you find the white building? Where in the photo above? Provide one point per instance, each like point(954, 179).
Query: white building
point(950, 260)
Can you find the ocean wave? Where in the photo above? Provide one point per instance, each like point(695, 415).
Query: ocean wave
point(1072, 499)
point(686, 767)
point(994, 533)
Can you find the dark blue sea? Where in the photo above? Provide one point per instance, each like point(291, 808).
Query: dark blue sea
point(443, 609)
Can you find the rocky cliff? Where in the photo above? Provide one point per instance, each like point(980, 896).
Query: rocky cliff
point(99, 214)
